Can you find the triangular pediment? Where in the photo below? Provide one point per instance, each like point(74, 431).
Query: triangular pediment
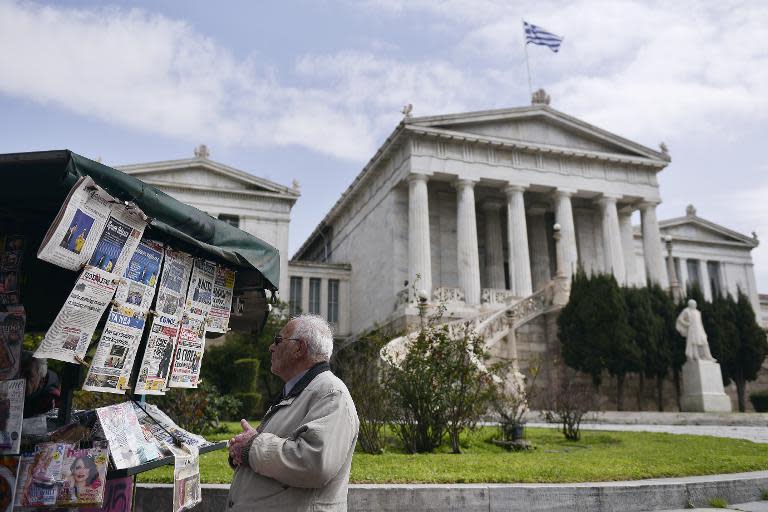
point(539, 125)
point(695, 228)
point(204, 173)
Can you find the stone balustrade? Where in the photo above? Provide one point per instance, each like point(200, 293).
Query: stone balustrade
point(448, 295)
point(497, 296)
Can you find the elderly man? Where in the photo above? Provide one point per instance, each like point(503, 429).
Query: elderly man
point(300, 456)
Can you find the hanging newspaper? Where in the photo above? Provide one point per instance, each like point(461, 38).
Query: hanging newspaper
point(9, 472)
point(40, 475)
point(200, 293)
point(72, 237)
point(161, 426)
point(12, 322)
point(10, 268)
point(188, 354)
point(140, 278)
point(119, 239)
point(223, 286)
point(11, 415)
point(174, 283)
point(128, 446)
point(69, 335)
point(156, 364)
point(186, 478)
point(111, 367)
point(83, 476)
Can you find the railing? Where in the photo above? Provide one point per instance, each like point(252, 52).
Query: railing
point(447, 295)
point(496, 296)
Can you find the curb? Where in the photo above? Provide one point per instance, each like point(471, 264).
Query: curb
point(637, 495)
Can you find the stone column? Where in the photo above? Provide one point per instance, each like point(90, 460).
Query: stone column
point(419, 257)
point(564, 217)
point(683, 275)
point(466, 235)
point(628, 247)
point(539, 249)
point(706, 287)
point(614, 255)
point(652, 250)
point(517, 231)
point(494, 246)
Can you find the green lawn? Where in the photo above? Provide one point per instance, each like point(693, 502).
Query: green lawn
point(599, 456)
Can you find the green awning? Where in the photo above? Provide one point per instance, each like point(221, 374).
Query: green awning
point(37, 183)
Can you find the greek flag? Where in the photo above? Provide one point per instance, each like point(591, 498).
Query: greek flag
point(537, 35)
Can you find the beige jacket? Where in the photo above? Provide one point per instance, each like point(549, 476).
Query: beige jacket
point(301, 459)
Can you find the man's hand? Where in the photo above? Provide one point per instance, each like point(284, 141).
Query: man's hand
point(237, 443)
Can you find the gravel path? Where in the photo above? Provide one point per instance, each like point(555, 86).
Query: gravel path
point(754, 434)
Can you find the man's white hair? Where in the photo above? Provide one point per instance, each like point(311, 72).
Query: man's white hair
point(317, 333)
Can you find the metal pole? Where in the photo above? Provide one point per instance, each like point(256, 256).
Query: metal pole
point(527, 65)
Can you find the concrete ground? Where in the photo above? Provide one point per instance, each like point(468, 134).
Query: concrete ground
point(752, 506)
point(754, 434)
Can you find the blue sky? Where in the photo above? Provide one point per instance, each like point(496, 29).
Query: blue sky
point(308, 90)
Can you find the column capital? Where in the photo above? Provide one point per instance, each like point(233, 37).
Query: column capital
point(608, 199)
point(491, 206)
point(646, 204)
point(627, 209)
point(465, 182)
point(511, 188)
point(418, 176)
point(564, 192)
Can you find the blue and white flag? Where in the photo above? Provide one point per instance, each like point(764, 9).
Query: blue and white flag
point(537, 35)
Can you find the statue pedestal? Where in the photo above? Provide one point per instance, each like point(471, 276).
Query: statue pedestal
point(703, 388)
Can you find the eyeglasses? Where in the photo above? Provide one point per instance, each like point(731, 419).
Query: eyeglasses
point(279, 339)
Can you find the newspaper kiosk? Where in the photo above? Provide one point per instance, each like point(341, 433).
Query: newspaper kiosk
point(35, 187)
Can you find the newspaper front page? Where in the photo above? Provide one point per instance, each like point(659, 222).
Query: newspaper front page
point(159, 424)
point(174, 283)
point(119, 239)
point(83, 475)
point(11, 415)
point(188, 354)
point(200, 293)
point(141, 276)
point(221, 305)
point(128, 446)
point(12, 322)
point(72, 237)
point(186, 478)
point(69, 335)
point(111, 367)
point(10, 268)
point(158, 354)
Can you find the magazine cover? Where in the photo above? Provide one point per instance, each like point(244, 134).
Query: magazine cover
point(11, 255)
point(11, 415)
point(9, 471)
point(111, 367)
point(174, 283)
point(158, 354)
point(186, 478)
point(188, 354)
point(118, 496)
point(221, 305)
point(119, 239)
point(141, 277)
point(83, 475)
point(12, 322)
point(72, 236)
point(128, 445)
point(69, 335)
point(43, 474)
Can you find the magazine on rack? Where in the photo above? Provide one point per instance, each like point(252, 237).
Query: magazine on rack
point(119, 239)
point(69, 335)
point(174, 282)
point(72, 237)
point(200, 293)
point(40, 475)
point(158, 354)
point(162, 426)
point(188, 354)
point(12, 322)
point(9, 472)
point(221, 305)
point(111, 367)
point(128, 444)
point(83, 475)
point(11, 415)
point(11, 256)
point(186, 478)
point(140, 278)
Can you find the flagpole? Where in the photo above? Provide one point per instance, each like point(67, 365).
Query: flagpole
point(527, 66)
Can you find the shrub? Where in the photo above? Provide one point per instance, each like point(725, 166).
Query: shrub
point(569, 399)
point(759, 400)
point(249, 405)
point(718, 503)
point(197, 410)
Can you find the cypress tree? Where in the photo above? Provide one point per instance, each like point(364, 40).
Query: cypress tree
point(577, 327)
point(670, 346)
point(647, 330)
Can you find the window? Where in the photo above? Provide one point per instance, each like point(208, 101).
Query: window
point(713, 269)
point(294, 301)
point(232, 220)
point(314, 295)
point(333, 301)
point(693, 273)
